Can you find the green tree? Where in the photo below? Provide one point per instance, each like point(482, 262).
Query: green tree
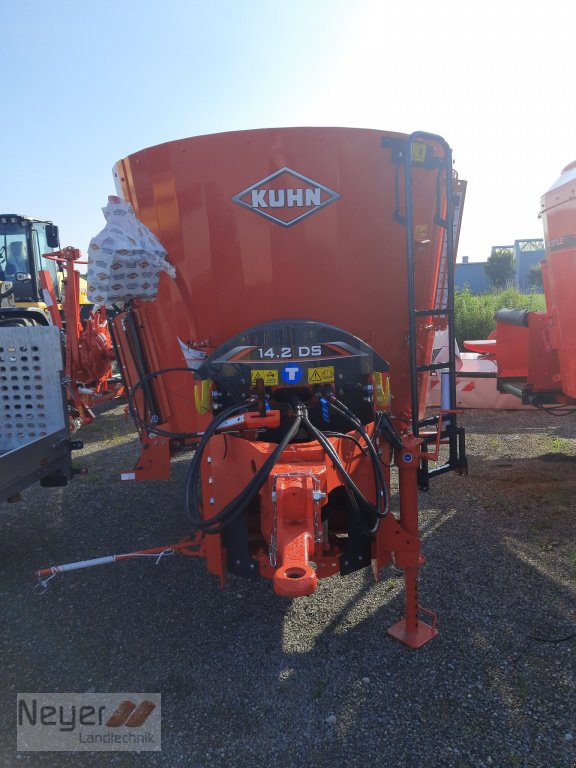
point(500, 267)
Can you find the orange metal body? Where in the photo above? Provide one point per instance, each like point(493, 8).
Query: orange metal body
point(89, 352)
point(272, 225)
point(537, 360)
point(512, 344)
point(287, 521)
point(558, 210)
point(343, 265)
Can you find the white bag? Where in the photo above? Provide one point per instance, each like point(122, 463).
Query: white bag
point(125, 259)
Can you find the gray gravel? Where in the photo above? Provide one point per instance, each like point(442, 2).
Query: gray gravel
point(250, 679)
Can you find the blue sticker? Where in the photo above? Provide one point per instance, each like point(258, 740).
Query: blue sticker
point(291, 374)
point(407, 458)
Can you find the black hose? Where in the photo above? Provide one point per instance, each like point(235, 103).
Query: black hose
point(330, 450)
point(338, 405)
point(219, 522)
point(346, 436)
point(192, 476)
point(557, 410)
point(317, 435)
point(381, 486)
point(152, 427)
point(356, 498)
point(386, 428)
point(368, 514)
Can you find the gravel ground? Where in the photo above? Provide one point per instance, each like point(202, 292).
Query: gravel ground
point(250, 679)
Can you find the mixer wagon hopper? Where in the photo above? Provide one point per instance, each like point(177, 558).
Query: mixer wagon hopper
point(293, 346)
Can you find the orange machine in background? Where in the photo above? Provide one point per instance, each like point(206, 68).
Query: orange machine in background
point(535, 352)
point(313, 267)
point(88, 347)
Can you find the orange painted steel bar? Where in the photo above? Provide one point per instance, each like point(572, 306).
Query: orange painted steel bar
point(410, 630)
point(293, 501)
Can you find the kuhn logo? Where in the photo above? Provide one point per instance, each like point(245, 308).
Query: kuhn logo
point(286, 197)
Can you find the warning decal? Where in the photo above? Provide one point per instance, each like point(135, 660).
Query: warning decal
point(418, 152)
point(269, 376)
point(321, 375)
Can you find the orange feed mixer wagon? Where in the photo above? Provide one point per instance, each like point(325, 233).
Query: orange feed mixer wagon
point(293, 348)
point(535, 352)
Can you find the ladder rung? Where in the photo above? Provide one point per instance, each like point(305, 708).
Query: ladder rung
point(424, 312)
point(432, 367)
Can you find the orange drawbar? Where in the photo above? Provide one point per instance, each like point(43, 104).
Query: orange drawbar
point(313, 267)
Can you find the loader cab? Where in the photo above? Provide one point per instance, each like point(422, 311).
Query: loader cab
point(23, 241)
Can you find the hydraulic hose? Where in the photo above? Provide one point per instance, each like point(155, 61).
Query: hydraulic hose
point(382, 488)
point(220, 521)
point(346, 436)
point(367, 513)
point(193, 473)
point(152, 427)
point(386, 428)
point(352, 491)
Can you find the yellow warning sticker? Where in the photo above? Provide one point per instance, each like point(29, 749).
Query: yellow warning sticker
point(321, 375)
point(420, 231)
point(269, 377)
point(418, 152)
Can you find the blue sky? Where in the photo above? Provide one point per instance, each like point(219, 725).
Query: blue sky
point(86, 84)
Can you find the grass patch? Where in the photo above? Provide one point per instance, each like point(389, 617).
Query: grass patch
point(558, 445)
point(493, 443)
point(474, 313)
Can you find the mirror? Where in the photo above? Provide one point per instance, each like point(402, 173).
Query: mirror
point(52, 236)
